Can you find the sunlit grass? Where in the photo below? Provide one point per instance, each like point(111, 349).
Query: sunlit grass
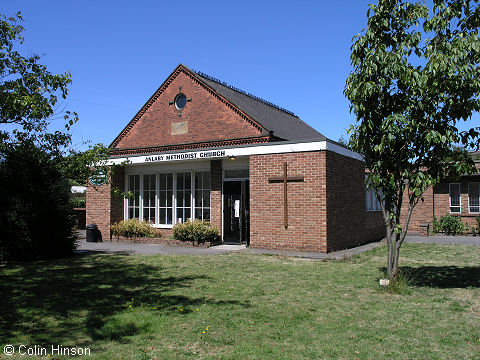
point(245, 306)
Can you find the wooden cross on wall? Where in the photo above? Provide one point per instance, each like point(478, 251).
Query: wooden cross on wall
point(285, 179)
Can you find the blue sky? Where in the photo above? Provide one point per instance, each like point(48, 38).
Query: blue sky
point(292, 53)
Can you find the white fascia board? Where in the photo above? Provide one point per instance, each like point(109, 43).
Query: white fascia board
point(343, 151)
point(237, 152)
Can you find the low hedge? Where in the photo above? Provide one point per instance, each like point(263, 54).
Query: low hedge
point(476, 228)
point(133, 228)
point(197, 232)
point(449, 224)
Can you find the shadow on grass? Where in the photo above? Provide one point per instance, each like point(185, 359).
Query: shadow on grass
point(441, 276)
point(60, 301)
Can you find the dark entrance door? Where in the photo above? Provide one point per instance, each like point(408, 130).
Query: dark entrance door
point(236, 212)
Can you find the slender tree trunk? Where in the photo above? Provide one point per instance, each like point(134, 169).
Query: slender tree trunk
point(389, 249)
point(396, 256)
point(388, 225)
point(400, 238)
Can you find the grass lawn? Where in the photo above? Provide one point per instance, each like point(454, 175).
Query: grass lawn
point(245, 306)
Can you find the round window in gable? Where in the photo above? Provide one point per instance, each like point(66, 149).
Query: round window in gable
point(180, 101)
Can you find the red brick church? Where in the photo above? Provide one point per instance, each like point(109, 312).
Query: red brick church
point(201, 149)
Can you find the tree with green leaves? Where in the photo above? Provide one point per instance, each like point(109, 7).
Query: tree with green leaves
point(77, 166)
point(29, 100)
point(415, 77)
point(29, 93)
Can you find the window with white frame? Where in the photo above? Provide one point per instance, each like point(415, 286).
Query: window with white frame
point(149, 191)
point(455, 198)
point(474, 198)
point(202, 196)
point(169, 198)
point(184, 197)
point(134, 201)
point(165, 202)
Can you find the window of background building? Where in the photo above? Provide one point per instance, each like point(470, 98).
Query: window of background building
point(455, 198)
point(474, 197)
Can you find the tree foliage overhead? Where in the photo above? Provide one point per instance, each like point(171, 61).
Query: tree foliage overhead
point(28, 91)
point(415, 76)
point(29, 100)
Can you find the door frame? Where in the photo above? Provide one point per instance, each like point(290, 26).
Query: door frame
point(243, 181)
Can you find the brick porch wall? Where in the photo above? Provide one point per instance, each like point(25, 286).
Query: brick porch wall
point(307, 206)
point(216, 194)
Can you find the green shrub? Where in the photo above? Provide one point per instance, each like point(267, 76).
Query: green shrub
point(436, 228)
point(476, 228)
point(132, 229)
point(452, 225)
point(36, 215)
point(197, 232)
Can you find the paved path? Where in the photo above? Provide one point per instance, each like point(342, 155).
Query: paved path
point(152, 249)
point(460, 240)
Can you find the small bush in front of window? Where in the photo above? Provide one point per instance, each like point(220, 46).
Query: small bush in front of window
point(197, 232)
point(476, 228)
point(452, 225)
point(132, 229)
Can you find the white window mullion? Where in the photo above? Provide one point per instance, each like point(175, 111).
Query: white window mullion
point(174, 200)
point(125, 200)
point(140, 199)
point(192, 189)
point(193, 195)
point(157, 186)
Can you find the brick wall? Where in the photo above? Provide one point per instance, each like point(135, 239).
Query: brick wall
point(98, 208)
point(103, 208)
point(216, 194)
point(375, 229)
point(307, 207)
point(422, 213)
point(208, 118)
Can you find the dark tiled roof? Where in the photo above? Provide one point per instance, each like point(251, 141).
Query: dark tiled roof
point(283, 123)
